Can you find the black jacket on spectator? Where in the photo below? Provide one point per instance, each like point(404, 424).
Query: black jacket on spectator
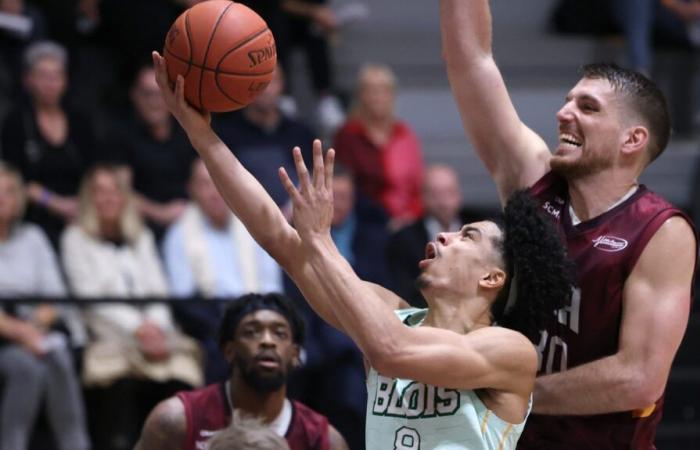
point(160, 169)
point(58, 168)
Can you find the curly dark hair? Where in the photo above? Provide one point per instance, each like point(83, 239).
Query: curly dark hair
point(249, 303)
point(539, 273)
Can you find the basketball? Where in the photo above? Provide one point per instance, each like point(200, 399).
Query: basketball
point(225, 52)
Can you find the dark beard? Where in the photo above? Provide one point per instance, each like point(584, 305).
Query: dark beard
point(579, 169)
point(260, 383)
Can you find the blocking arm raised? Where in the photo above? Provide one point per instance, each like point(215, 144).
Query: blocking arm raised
point(514, 155)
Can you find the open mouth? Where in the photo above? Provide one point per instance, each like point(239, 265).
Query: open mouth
point(431, 252)
point(570, 140)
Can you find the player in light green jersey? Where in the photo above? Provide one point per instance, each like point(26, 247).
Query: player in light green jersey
point(441, 378)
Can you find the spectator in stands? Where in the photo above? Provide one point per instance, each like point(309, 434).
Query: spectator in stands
point(94, 68)
point(442, 199)
point(35, 358)
point(136, 351)
point(131, 29)
point(20, 25)
point(642, 20)
point(648, 25)
point(276, 18)
point(261, 136)
point(156, 151)
point(51, 143)
point(209, 253)
point(332, 359)
point(311, 25)
point(383, 152)
point(359, 229)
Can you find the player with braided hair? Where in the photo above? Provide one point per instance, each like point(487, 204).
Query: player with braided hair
point(438, 378)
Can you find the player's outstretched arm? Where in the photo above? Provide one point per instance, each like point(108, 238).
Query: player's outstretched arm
point(165, 427)
point(246, 197)
point(655, 315)
point(489, 358)
point(242, 192)
point(515, 156)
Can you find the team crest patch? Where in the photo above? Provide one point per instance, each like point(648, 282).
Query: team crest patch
point(610, 243)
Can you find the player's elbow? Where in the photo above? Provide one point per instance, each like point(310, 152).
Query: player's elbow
point(384, 355)
point(643, 391)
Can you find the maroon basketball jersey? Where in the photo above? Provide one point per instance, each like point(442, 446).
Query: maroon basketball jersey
point(207, 411)
point(605, 250)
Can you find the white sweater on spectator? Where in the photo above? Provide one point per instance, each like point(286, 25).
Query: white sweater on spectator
point(98, 268)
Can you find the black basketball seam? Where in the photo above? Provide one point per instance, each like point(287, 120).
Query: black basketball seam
point(189, 42)
point(225, 94)
point(206, 53)
point(223, 72)
point(217, 71)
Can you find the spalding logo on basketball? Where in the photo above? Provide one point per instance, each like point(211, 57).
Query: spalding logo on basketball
point(225, 52)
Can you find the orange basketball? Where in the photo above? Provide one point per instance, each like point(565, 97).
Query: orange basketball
point(225, 52)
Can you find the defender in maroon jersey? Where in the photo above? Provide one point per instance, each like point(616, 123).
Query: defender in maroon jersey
point(261, 337)
point(604, 365)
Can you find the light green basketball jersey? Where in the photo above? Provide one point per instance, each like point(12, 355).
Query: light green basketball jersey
point(407, 415)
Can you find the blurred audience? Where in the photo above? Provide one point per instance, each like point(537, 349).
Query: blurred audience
point(311, 26)
point(442, 199)
point(358, 229)
point(276, 18)
point(20, 25)
point(36, 361)
point(262, 137)
point(156, 151)
point(132, 29)
point(136, 355)
point(646, 22)
point(50, 143)
point(382, 151)
point(209, 253)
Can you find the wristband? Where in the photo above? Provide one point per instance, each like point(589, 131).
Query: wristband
point(45, 197)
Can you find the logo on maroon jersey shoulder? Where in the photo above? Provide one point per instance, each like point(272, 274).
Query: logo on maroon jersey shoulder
point(551, 209)
point(610, 243)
